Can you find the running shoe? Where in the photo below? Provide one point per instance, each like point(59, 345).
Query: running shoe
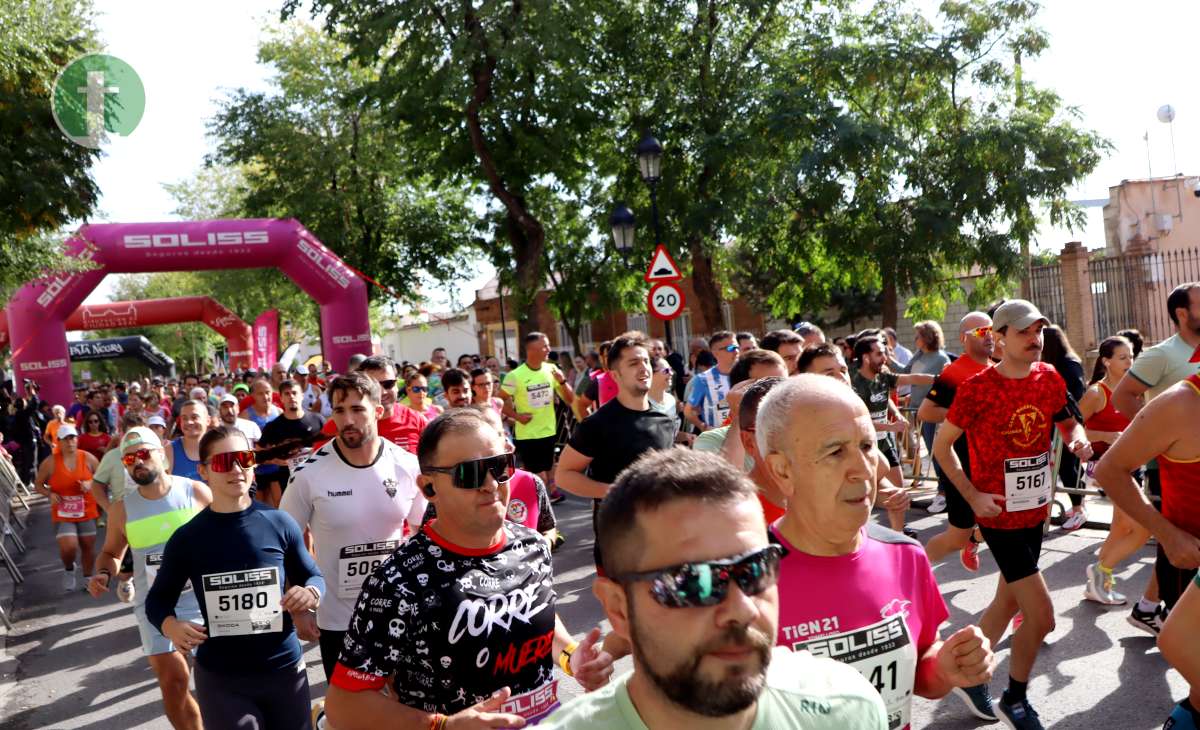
point(969, 556)
point(1075, 520)
point(557, 496)
point(1181, 718)
point(1099, 587)
point(125, 591)
point(937, 506)
point(910, 532)
point(978, 700)
point(1019, 716)
point(1016, 622)
point(1149, 621)
point(68, 580)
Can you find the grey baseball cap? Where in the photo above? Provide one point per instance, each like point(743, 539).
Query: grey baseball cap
point(1017, 314)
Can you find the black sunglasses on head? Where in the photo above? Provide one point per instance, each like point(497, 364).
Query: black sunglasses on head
point(472, 474)
point(694, 585)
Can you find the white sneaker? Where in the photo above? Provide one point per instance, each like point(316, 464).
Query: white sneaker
point(125, 591)
point(1075, 520)
point(68, 580)
point(937, 505)
point(1099, 587)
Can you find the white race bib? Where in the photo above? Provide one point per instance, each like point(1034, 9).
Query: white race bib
point(1027, 482)
point(540, 395)
point(153, 563)
point(73, 507)
point(357, 562)
point(885, 654)
point(294, 462)
point(243, 602)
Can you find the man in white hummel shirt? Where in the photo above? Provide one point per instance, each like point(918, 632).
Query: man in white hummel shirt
point(353, 495)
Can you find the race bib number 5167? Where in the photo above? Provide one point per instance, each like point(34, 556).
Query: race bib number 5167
point(1027, 482)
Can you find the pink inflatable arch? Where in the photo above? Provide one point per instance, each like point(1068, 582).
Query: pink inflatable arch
point(38, 312)
point(143, 312)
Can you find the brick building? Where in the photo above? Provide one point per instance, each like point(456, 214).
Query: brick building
point(738, 315)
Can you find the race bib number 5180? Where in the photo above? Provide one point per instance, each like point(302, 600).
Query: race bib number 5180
point(243, 602)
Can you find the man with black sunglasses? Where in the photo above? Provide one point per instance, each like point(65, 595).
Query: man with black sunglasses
point(850, 589)
point(355, 495)
point(459, 623)
point(691, 584)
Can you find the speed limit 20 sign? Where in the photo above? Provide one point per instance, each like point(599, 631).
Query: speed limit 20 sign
point(665, 301)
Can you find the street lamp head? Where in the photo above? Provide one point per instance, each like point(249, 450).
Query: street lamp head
point(622, 222)
point(649, 154)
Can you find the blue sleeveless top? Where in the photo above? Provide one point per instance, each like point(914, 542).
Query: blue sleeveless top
point(181, 465)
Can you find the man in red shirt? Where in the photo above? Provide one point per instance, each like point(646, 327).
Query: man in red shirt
point(1008, 414)
point(402, 426)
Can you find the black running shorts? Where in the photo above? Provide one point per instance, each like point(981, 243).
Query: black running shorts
point(537, 455)
point(1016, 551)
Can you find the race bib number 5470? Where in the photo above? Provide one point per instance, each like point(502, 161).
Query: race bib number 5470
point(243, 602)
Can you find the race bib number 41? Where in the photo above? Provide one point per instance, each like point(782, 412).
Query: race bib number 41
point(243, 602)
point(885, 654)
point(1027, 482)
point(356, 562)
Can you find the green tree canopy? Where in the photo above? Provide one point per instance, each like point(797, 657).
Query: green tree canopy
point(937, 157)
point(45, 179)
point(316, 149)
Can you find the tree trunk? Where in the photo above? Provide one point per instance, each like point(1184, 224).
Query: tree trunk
point(890, 305)
point(525, 232)
point(527, 280)
point(708, 292)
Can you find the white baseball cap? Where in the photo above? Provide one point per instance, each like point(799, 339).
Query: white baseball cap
point(66, 430)
point(156, 421)
point(229, 398)
point(140, 436)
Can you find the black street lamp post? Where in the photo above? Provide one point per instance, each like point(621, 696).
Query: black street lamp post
point(649, 157)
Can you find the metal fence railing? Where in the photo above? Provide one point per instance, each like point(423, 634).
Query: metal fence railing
point(1131, 290)
point(1116, 299)
point(1045, 290)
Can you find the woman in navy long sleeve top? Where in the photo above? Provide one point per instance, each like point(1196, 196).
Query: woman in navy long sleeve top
point(240, 557)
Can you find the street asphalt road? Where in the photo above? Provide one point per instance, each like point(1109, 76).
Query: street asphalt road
point(75, 663)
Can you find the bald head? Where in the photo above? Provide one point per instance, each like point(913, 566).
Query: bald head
point(803, 401)
point(973, 320)
point(974, 347)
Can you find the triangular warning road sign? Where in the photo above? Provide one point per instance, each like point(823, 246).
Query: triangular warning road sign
point(662, 267)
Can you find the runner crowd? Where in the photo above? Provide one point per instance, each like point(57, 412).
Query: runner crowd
point(403, 518)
